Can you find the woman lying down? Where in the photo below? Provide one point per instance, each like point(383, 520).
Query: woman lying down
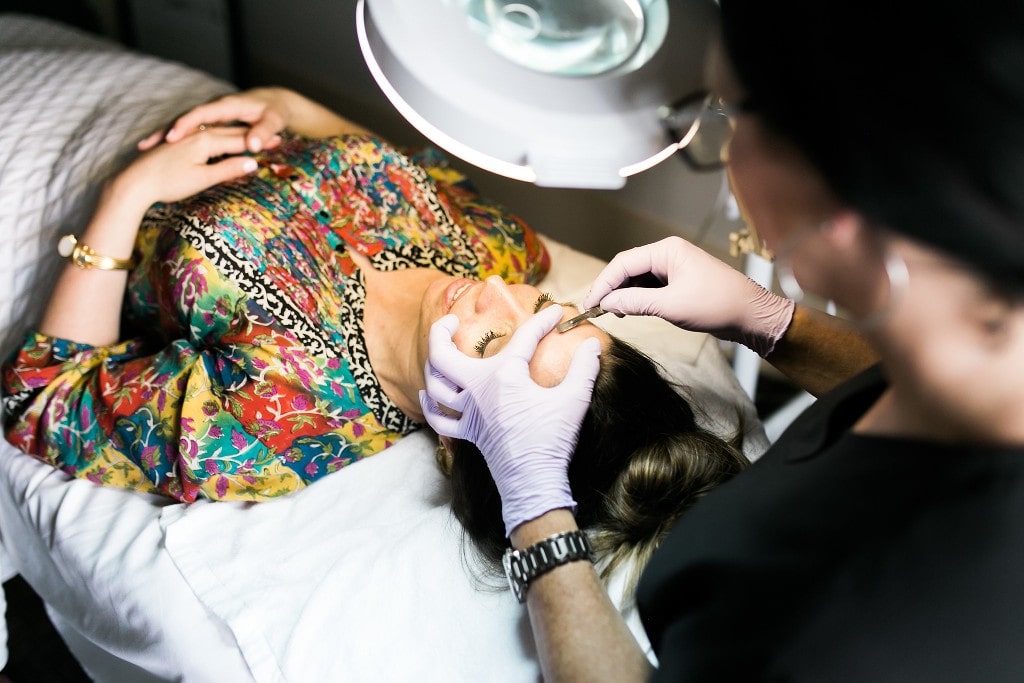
point(248, 310)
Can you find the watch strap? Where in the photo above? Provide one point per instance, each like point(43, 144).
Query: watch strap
point(523, 566)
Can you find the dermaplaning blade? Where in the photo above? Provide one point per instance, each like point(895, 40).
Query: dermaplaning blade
point(585, 315)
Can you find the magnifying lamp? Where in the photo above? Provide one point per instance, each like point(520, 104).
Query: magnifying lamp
point(561, 93)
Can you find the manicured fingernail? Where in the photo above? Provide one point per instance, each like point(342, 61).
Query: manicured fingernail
point(255, 144)
point(249, 165)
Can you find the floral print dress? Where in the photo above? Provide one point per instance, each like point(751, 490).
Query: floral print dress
point(245, 374)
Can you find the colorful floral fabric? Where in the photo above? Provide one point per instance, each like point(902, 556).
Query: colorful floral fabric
point(245, 374)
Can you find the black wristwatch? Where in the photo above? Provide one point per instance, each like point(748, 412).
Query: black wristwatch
point(523, 566)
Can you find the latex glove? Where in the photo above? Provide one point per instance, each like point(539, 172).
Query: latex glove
point(698, 293)
point(527, 433)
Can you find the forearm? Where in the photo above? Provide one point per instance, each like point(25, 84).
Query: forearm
point(819, 352)
point(580, 635)
point(86, 303)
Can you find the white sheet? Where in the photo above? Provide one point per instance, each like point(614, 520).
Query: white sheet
point(359, 577)
point(71, 107)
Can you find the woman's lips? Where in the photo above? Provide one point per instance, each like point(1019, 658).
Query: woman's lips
point(453, 291)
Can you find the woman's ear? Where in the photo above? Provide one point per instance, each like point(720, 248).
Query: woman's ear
point(443, 454)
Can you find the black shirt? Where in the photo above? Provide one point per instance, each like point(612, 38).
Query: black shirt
point(845, 557)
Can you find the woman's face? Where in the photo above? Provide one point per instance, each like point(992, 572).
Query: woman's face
point(490, 311)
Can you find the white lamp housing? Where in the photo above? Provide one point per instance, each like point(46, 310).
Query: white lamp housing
point(516, 89)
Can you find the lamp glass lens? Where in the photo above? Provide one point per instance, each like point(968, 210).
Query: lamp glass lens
point(565, 37)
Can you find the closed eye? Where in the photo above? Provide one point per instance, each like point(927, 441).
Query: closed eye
point(481, 345)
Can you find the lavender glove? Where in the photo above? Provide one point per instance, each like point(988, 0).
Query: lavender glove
point(527, 433)
point(699, 293)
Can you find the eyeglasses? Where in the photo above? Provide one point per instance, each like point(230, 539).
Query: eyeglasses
point(701, 126)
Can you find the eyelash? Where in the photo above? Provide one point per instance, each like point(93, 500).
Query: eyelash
point(481, 345)
point(491, 335)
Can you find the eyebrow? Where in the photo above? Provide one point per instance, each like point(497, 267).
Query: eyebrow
point(546, 299)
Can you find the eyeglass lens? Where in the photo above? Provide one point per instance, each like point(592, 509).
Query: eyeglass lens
point(703, 125)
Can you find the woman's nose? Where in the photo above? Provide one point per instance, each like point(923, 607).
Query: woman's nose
point(497, 297)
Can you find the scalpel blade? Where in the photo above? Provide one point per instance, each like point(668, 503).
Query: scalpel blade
point(585, 315)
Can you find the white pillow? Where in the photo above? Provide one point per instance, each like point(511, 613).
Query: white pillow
point(72, 107)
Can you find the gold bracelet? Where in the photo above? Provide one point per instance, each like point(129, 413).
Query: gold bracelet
point(83, 256)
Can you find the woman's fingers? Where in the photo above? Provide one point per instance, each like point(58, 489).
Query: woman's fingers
point(222, 154)
point(229, 169)
point(152, 140)
point(264, 130)
point(219, 141)
point(225, 110)
point(172, 172)
point(265, 114)
point(269, 143)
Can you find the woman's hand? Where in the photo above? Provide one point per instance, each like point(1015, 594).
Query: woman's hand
point(265, 111)
point(170, 173)
point(527, 433)
point(698, 292)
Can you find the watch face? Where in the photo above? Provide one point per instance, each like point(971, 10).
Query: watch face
point(66, 246)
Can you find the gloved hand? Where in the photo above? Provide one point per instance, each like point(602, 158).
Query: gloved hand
point(527, 433)
point(698, 293)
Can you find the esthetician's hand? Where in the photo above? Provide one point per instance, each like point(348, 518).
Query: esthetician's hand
point(698, 293)
point(526, 432)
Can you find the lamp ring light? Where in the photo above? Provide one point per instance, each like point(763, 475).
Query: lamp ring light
point(553, 92)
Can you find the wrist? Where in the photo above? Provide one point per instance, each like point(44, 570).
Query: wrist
point(115, 223)
point(546, 525)
point(125, 195)
point(523, 566)
point(769, 318)
point(525, 506)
